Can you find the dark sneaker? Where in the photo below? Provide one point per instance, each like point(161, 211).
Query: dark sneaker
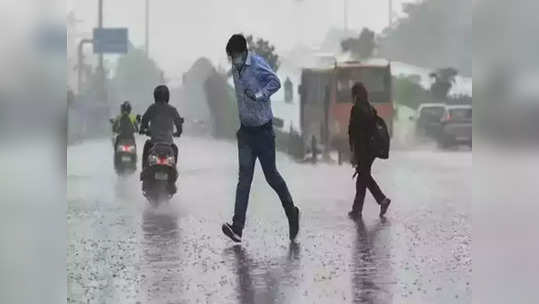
point(293, 224)
point(384, 205)
point(229, 231)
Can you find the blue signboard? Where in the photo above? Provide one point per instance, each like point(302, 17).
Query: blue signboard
point(110, 40)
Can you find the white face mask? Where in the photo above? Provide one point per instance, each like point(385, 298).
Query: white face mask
point(238, 61)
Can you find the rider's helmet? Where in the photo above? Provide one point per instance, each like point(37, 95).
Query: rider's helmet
point(161, 94)
point(125, 108)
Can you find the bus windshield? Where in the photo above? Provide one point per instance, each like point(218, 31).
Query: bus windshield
point(375, 79)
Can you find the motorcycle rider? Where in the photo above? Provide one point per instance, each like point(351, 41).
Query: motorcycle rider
point(160, 118)
point(125, 125)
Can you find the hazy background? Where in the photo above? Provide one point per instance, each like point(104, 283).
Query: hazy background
point(183, 31)
point(33, 120)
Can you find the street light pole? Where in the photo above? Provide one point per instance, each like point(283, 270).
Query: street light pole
point(147, 28)
point(390, 23)
point(100, 25)
point(102, 96)
point(346, 15)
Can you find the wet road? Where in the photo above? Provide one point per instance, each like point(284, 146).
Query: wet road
point(122, 251)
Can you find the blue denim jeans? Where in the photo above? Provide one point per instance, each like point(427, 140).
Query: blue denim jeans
point(258, 143)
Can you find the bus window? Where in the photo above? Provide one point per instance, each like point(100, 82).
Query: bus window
point(375, 80)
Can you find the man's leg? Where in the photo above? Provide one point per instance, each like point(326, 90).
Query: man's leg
point(175, 148)
point(116, 149)
point(361, 184)
point(246, 159)
point(145, 152)
point(373, 187)
point(266, 155)
point(379, 196)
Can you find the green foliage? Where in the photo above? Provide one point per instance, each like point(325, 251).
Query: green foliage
point(192, 93)
point(443, 81)
point(135, 79)
point(434, 33)
point(265, 49)
point(407, 91)
point(361, 47)
point(222, 105)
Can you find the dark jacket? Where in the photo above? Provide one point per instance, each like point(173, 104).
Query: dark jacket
point(161, 118)
point(360, 129)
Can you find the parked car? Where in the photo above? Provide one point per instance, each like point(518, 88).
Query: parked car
point(456, 126)
point(428, 119)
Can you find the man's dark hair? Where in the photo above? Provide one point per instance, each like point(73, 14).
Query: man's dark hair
point(161, 94)
point(236, 44)
point(359, 91)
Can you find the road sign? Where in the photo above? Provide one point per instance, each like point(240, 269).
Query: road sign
point(110, 40)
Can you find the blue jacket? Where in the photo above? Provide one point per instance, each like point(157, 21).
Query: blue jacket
point(257, 77)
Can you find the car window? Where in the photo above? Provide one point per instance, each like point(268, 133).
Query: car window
point(460, 114)
point(432, 113)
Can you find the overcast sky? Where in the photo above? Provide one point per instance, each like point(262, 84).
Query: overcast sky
point(182, 31)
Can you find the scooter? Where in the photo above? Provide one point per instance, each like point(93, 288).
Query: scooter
point(125, 154)
point(159, 173)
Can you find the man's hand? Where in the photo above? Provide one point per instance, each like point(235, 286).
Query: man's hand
point(252, 95)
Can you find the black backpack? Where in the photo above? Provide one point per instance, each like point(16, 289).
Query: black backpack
point(379, 141)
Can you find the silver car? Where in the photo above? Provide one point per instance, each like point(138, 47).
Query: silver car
point(456, 126)
point(428, 119)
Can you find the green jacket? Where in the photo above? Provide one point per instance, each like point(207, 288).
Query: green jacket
point(126, 127)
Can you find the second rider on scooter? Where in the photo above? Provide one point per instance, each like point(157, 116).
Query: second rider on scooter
point(160, 118)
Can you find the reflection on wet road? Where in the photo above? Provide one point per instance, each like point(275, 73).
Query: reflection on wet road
point(258, 285)
point(372, 273)
point(161, 256)
point(123, 251)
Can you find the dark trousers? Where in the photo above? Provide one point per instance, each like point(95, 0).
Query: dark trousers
point(258, 143)
point(146, 151)
point(364, 181)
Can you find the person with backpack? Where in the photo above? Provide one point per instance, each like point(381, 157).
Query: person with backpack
point(367, 141)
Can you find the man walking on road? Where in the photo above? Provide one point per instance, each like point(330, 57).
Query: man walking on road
point(255, 82)
point(361, 127)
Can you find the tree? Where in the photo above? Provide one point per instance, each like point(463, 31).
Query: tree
point(408, 91)
point(361, 47)
point(265, 49)
point(135, 78)
point(434, 33)
point(222, 105)
point(443, 81)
